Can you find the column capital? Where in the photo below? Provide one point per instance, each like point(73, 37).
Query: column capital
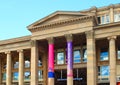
point(89, 34)
point(69, 37)
point(50, 40)
point(112, 37)
point(20, 50)
point(7, 52)
point(33, 43)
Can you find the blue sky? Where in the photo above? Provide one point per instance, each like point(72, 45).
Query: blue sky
point(15, 15)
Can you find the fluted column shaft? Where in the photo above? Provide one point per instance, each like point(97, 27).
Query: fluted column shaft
point(21, 67)
point(91, 59)
point(112, 53)
point(34, 62)
point(9, 68)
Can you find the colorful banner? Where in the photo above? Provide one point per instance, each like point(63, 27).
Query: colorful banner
point(51, 61)
point(69, 59)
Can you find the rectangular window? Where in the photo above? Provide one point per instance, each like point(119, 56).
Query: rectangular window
point(77, 56)
point(27, 63)
point(4, 76)
point(118, 52)
point(103, 71)
point(103, 55)
point(15, 76)
point(16, 65)
point(84, 55)
point(40, 74)
point(27, 75)
point(60, 58)
point(104, 19)
point(117, 17)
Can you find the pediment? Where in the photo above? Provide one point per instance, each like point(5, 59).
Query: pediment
point(55, 17)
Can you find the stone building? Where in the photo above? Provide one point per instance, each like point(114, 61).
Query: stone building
point(65, 48)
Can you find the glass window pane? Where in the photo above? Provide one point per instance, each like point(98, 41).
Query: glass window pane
point(40, 74)
point(40, 62)
point(104, 70)
point(119, 53)
point(103, 20)
point(104, 55)
point(27, 75)
point(60, 58)
point(117, 17)
point(85, 55)
point(107, 18)
point(4, 76)
point(77, 57)
point(16, 64)
point(15, 76)
point(27, 63)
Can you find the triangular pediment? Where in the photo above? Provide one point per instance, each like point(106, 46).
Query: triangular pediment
point(57, 16)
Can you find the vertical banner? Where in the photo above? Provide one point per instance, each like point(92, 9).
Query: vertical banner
point(51, 61)
point(69, 59)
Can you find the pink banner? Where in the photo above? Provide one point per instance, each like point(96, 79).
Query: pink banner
point(51, 58)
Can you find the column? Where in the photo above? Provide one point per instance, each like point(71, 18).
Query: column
point(34, 62)
point(45, 68)
point(70, 60)
point(21, 67)
point(51, 74)
point(91, 59)
point(112, 62)
point(9, 68)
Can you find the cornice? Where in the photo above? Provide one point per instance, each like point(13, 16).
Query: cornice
point(15, 40)
point(51, 25)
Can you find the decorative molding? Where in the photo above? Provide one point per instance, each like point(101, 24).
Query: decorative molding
point(7, 52)
point(112, 37)
point(50, 40)
point(20, 50)
point(69, 37)
point(89, 34)
point(33, 43)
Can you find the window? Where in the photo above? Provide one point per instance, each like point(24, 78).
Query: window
point(40, 74)
point(4, 76)
point(117, 17)
point(61, 75)
point(27, 63)
point(40, 62)
point(103, 55)
point(27, 75)
point(84, 55)
point(103, 70)
point(118, 52)
point(104, 19)
point(16, 65)
point(60, 58)
point(15, 76)
point(77, 57)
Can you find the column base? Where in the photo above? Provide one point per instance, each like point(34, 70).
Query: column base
point(50, 81)
point(69, 80)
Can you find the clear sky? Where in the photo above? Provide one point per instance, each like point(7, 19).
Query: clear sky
point(15, 15)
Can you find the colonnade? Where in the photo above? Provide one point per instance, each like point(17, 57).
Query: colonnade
point(91, 62)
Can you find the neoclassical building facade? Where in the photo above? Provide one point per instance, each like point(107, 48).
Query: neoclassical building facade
point(65, 48)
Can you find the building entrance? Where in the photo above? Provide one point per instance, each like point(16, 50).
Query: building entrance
point(79, 76)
